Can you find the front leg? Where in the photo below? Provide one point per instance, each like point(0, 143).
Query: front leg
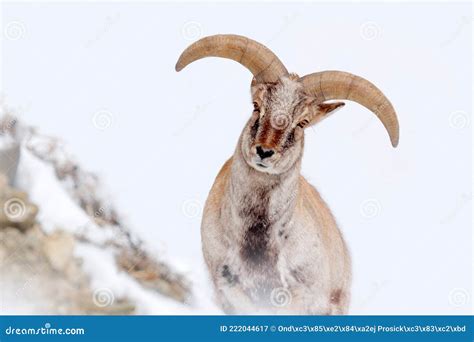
point(228, 288)
point(230, 292)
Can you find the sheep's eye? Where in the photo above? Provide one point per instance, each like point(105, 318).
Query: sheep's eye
point(303, 123)
point(256, 108)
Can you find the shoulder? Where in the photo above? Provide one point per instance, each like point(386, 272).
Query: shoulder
point(312, 206)
point(217, 193)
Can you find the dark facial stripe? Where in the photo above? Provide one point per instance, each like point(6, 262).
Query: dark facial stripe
point(276, 137)
point(269, 135)
point(265, 131)
point(254, 128)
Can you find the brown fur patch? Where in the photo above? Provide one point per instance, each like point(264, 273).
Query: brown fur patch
point(265, 132)
point(277, 134)
point(336, 296)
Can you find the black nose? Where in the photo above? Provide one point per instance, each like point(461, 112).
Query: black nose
point(264, 153)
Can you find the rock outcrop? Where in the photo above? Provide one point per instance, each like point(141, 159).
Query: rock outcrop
point(40, 271)
point(40, 274)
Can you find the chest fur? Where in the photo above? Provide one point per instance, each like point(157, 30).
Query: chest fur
point(257, 248)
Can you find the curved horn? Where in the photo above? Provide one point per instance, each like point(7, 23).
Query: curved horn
point(262, 63)
point(331, 85)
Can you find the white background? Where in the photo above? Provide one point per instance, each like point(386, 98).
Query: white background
point(406, 213)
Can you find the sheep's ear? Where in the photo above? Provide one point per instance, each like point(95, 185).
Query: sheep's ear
point(322, 110)
point(253, 83)
point(325, 109)
point(257, 90)
point(316, 112)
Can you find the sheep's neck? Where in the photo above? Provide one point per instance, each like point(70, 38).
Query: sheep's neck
point(258, 202)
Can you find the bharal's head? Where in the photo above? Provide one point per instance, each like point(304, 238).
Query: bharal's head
point(272, 140)
point(285, 104)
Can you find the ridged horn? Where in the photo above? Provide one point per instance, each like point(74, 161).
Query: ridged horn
point(332, 85)
point(262, 63)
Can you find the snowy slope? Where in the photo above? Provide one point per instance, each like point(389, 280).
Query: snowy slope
point(58, 210)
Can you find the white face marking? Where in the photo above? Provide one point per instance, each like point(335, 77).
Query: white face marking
point(284, 98)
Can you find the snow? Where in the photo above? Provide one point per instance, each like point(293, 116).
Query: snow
point(59, 211)
point(100, 265)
